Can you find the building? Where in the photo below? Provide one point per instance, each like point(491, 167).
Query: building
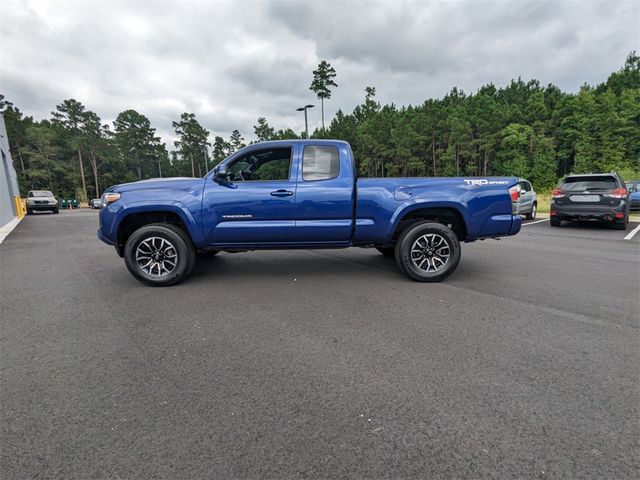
point(9, 188)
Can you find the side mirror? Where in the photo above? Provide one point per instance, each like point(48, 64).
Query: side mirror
point(221, 175)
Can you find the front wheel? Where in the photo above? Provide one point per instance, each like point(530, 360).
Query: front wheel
point(159, 254)
point(428, 251)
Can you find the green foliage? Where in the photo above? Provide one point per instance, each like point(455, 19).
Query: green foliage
point(323, 79)
point(191, 144)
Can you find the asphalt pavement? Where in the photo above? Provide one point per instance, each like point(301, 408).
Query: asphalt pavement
point(321, 364)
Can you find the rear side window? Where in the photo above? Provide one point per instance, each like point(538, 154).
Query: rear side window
point(575, 184)
point(320, 162)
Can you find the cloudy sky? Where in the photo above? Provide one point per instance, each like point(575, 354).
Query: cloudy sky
point(232, 62)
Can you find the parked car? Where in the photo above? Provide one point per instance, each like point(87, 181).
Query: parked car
point(596, 196)
point(96, 204)
point(291, 194)
point(41, 200)
point(65, 203)
point(528, 203)
point(634, 194)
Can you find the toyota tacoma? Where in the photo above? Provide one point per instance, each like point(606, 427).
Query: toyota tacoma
point(302, 194)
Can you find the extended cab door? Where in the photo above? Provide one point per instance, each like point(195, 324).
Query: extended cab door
point(256, 204)
point(325, 194)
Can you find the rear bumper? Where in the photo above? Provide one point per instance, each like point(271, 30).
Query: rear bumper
point(589, 212)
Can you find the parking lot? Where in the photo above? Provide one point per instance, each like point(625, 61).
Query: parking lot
point(317, 364)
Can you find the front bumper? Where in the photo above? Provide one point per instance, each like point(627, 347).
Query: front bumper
point(42, 206)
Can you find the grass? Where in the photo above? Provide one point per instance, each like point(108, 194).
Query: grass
point(544, 202)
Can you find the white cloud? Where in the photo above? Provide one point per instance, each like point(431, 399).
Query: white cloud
point(231, 62)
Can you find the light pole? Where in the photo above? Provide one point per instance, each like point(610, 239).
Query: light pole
point(306, 125)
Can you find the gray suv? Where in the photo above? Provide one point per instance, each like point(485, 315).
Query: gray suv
point(528, 203)
point(39, 200)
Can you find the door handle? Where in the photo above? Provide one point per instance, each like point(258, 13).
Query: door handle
point(281, 193)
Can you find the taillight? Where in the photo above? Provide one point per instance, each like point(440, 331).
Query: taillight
point(514, 193)
point(557, 193)
point(619, 193)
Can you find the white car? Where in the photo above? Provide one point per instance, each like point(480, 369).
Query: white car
point(39, 200)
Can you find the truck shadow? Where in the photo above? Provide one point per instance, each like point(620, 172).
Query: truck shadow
point(265, 265)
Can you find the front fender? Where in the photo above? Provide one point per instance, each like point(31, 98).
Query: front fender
point(121, 212)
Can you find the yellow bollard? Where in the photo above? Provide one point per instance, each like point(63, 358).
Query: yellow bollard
point(21, 208)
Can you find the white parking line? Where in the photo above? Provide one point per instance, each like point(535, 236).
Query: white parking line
point(537, 221)
point(632, 233)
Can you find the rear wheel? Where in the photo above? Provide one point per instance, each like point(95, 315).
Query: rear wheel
point(428, 251)
point(387, 251)
point(554, 222)
point(159, 254)
point(532, 214)
point(622, 225)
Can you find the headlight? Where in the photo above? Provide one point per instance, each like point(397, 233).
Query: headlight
point(30, 201)
point(109, 198)
point(53, 202)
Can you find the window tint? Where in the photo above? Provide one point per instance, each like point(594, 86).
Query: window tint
point(320, 162)
point(525, 186)
point(576, 184)
point(40, 193)
point(261, 165)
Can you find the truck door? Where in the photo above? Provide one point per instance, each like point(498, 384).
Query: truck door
point(256, 204)
point(325, 194)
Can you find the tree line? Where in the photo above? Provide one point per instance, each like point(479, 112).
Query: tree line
point(523, 129)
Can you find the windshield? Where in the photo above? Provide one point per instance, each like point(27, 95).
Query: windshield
point(575, 184)
point(40, 193)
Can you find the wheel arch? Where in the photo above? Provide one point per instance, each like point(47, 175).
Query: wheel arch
point(445, 214)
point(136, 219)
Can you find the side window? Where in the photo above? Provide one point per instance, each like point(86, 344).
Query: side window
point(524, 186)
point(529, 187)
point(261, 165)
point(320, 162)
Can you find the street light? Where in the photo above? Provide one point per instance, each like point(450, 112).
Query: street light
point(306, 125)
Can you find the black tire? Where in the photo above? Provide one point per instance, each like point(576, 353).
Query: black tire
point(387, 251)
point(29, 211)
point(621, 225)
point(554, 222)
point(532, 214)
point(56, 210)
point(208, 253)
point(184, 250)
point(411, 235)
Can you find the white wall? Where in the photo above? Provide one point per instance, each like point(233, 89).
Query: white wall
point(8, 178)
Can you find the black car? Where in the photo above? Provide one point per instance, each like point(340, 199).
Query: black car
point(595, 196)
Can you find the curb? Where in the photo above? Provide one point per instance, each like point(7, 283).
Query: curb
point(6, 229)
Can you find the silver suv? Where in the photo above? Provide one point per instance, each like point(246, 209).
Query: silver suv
point(39, 200)
point(528, 200)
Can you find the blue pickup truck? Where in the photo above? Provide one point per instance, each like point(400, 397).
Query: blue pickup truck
point(302, 194)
